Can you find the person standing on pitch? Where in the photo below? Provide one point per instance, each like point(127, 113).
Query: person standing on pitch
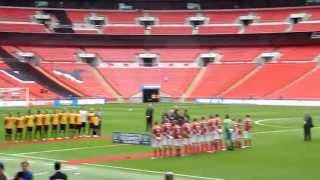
point(149, 117)
point(308, 124)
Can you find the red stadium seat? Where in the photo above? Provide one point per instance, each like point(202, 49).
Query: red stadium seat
point(218, 77)
point(234, 29)
point(268, 79)
point(262, 28)
point(171, 30)
point(124, 30)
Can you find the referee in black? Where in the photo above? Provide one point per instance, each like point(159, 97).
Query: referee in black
point(149, 117)
point(308, 124)
point(58, 175)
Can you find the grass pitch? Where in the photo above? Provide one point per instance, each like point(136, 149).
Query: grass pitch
point(279, 151)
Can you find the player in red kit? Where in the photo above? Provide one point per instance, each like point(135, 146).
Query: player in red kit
point(156, 140)
point(211, 134)
point(247, 127)
point(219, 125)
point(178, 139)
point(168, 139)
point(186, 131)
point(238, 133)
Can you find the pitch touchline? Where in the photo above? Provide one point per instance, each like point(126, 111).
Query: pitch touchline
point(71, 149)
point(148, 171)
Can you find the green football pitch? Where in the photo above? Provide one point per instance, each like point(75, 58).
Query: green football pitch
point(279, 151)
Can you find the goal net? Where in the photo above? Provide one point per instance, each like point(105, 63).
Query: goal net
point(14, 94)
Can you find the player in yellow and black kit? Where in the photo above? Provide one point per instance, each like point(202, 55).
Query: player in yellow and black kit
point(46, 118)
point(29, 122)
point(78, 123)
point(54, 124)
point(91, 117)
point(71, 120)
point(38, 123)
point(63, 123)
point(8, 125)
point(20, 124)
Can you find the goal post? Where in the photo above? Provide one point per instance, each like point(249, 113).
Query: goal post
point(15, 94)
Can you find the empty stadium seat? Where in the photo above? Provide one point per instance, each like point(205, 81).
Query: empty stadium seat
point(171, 30)
point(268, 79)
point(306, 27)
point(51, 53)
point(179, 54)
point(240, 54)
point(219, 29)
point(78, 76)
point(16, 14)
point(306, 88)
point(128, 81)
point(171, 17)
point(298, 53)
point(110, 54)
point(22, 27)
point(219, 77)
point(124, 30)
point(262, 28)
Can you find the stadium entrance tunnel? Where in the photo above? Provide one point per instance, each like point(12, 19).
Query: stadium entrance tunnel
point(151, 93)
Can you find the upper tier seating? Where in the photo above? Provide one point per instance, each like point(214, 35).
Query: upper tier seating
point(124, 30)
point(269, 78)
point(218, 77)
point(223, 17)
point(241, 54)
point(171, 30)
point(179, 54)
point(116, 54)
point(306, 88)
point(171, 17)
point(52, 53)
point(22, 27)
point(16, 14)
point(298, 53)
point(128, 81)
point(306, 27)
point(112, 17)
point(262, 28)
point(78, 76)
point(234, 29)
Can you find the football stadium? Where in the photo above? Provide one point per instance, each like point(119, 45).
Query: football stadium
point(159, 89)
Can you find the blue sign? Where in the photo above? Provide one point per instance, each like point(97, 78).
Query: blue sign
point(131, 138)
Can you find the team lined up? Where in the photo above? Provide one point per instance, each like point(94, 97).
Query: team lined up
point(179, 138)
point(60, 124)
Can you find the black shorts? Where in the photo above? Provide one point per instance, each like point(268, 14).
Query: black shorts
point(46, 127)
point(8, 131)
point(91, 126)
point(29, 129)
point(62, 127)
point(79, 126)
point(54, 127)
point(83, 124)
point(71, 126)
point(38, 128)
point(19, 130)
point(96, 127)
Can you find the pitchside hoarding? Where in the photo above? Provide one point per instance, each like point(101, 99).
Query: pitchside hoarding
point(131, 138)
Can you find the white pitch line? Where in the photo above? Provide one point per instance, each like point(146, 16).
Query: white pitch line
point(259, 122)
point(148, 171)
point(71, 149)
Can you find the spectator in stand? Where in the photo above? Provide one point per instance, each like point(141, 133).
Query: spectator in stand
point(58, 175)
point(3, 175)
point(25, 174)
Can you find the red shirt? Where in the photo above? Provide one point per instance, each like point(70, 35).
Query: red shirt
point(247, 124)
